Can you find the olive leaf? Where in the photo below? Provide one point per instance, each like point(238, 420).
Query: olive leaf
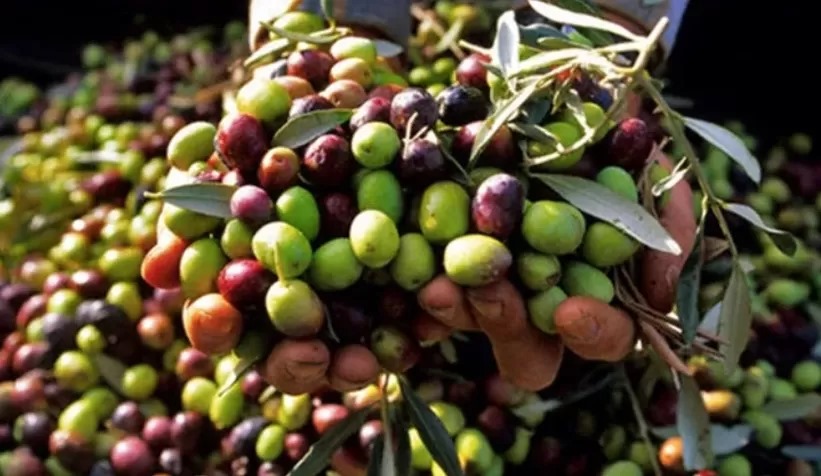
point(535, 33)
point(387, 49)
point(266, 52)
point(687, 293)
point(327, 7)
point(545, 60)
point(734, 318)
point(111, 370)
point(321, 37)
point(306, 127)
point(552, 43)
point(431, 431)
point(377, 457)
point(784, 240)
point(803, 452)
point(710, 321)
point(535, 132)
point(506, 44)
point(243, 366)
point(498, 119)
point(450, 37)
point(794, 408)
point(693, 424)
point(667, 183)
point(212, 199)
point(600, 38)
point(728, 440)
point(403, 449)
point(569, 17)
point(600, 202)
point(728, 142)
point(317, 457)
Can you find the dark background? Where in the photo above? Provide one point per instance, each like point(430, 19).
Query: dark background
point(751, 60)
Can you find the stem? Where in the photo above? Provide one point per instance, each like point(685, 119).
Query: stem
point(652, 40)
point(645, 435)
point(680, 137)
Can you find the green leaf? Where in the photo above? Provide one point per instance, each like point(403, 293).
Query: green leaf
point(794, 408)
point(693, 424)
point(450, 37)
point(242, 367)
point(431, 431)
point(533, 34)
point(689, 285)
point(735, 318)
point(784, 240)
point(403, 449)
point(212, 199)
point(598, 37)
point(553, 43)
point(495, 122)
point(535, 111)
point(387, 49)
point(535, 132)
point(322, 37)
point(328, 10)
point(545, 60)
point(307, 127)
point(667, 183)
point(266, 52)
point(377, 456)
point(727, 142)
point(320, 452)
point(506, 44)
point(583, 20)
point(599, 201)
point(728, 440)
point(803, 452)
point(111, 370)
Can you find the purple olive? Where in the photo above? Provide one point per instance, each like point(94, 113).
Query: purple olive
point(413, 103)
point(328, 161)
point(244, 283)
point(131, 456)
point(127, 417)
point(497, 206)
point(375, 109)
point(421, 163)
point(252, 205)
point(337, 211)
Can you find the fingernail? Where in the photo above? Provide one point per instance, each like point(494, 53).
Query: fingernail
point(488, 309)
point(444, 314)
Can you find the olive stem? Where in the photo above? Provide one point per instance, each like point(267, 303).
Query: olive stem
point(645, 435)
point(679, 136)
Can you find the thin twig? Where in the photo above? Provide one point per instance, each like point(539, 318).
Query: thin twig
point(642, 424)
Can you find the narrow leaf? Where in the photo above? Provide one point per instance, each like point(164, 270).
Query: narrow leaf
point(693, 424)
point(111, 370)
point(497, 120)
point(727, 142)
point(320, 453)
point(568, 17)
point(784, 240)
point(727, 440)
point(387, 49)
point(711, 320)
point(212, 199)
point(377, 454)
point(687, 293)
point(535, 132)
point(794, 408)
point(574, 104)
point(534, 34)
point(266, 52)
point(307, 127)
point(328, 10)
point(322, 37)
point(670, 181)
point(450, 37)
point(598, 37)
point(403, 449)
point(431, 431)
point(735, 318)
point(242, 367)
point(545, 60)
point(804, 452)
point(599, 201)
point(506, 44)
point(553, 43)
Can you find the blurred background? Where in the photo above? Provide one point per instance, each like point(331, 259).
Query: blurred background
point(733, 59)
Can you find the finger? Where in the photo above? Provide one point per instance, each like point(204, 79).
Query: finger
point(660, 270)
point(530, 362)
point(297, 366)
point(444, 300)
point(429, 330)
point(353, 367)
point(499, 310)
point(526, 356)
point(594, 330)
